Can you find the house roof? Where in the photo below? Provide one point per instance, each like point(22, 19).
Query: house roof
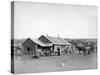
point(54, 40)
point(57, 40)
point(37, 41)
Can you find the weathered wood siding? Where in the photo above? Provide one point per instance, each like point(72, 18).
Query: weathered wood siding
point(29, 45)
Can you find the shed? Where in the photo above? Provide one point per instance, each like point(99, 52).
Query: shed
point(29, 47)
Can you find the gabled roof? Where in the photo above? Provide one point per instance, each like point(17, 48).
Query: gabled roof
point(57, 40)
point(37, 41)
point(54, 40)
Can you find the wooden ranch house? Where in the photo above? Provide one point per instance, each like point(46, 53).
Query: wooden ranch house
point(45, 44)
point(58, 44)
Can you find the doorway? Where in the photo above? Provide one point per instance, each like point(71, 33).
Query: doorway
point(58, 49)
point(28, 49)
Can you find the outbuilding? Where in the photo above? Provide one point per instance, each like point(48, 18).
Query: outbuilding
point(29, 47)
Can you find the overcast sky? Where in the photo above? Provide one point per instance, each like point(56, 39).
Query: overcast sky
point(69, 21)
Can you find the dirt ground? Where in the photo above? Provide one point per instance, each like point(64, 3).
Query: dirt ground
point(27, 64)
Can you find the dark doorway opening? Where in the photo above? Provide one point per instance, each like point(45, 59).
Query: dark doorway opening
point(58, 51)
point(28, 49)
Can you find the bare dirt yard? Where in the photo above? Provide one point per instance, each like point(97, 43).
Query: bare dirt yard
point(27, 64)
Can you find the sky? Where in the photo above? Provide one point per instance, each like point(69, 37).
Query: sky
point(31, 20)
